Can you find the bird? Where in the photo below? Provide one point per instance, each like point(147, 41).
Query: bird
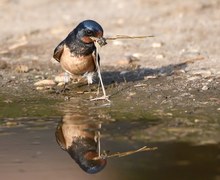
point(77, 52)
point(81, 141)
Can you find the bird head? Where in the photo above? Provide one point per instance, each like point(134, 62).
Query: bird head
point(92, 166)
point(90, 31)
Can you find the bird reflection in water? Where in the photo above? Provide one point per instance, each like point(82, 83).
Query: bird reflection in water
point(80, 137)
point(81, 141)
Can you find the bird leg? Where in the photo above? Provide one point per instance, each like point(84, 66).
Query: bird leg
point(66, 80)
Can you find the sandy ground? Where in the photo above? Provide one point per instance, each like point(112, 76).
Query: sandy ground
point(183, 29)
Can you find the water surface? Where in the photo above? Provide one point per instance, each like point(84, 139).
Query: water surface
point(29, 148)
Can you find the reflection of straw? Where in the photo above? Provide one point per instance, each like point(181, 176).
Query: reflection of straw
point(127, 37)
point(99, 143)
point(121, 154)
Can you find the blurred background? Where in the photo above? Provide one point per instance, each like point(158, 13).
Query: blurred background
point(183, 29)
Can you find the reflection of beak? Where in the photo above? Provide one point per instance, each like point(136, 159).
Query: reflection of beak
point(100, 40)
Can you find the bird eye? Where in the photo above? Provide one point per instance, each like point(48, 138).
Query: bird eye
point(89, 32)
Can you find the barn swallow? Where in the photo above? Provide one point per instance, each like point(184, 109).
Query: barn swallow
point(77, 52)
point(81, 142)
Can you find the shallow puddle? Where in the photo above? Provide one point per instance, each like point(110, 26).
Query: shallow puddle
point(31, 147)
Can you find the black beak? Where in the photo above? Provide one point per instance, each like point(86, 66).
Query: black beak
point(101, 40)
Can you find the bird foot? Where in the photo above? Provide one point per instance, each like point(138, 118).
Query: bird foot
point(101, 98)
point(63, 89)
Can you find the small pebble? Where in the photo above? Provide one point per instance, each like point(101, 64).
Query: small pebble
point(149, 77)
point(39, 77)
point(123, 72)
point(45, 82)
point(210, 80)
point(181, 71)
point(140, 85)
point(123, 62)
point(40, 88)
point(196, 120)
point(160, 56)
point(7, 101)
point(11, 123)
point(203, 73)
point(204, 88)
point(137, 55)
point(193, 78)
point(66, 98)
point(60, 84)
point(59, 78)
point(169, 114)
point(157, 45)
point(3, 65)
point(132, 59)
point(117, 43)
point(132, 94)
point(21, 69)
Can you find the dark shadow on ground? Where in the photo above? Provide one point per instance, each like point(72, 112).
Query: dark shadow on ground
point(138, 74)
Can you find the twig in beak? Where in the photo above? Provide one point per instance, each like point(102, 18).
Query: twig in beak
point(128, 37)
point(101, 40)
point(104, 97)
